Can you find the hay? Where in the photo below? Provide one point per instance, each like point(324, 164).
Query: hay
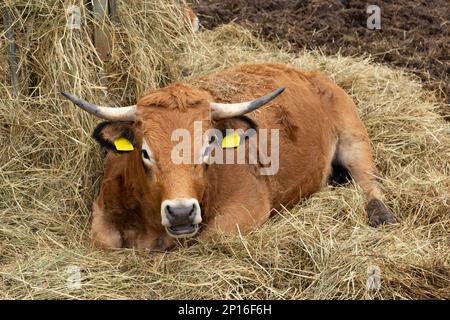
point(50, 172)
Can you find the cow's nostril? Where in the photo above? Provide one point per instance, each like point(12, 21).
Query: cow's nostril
point(180, 214)
point(192, 213)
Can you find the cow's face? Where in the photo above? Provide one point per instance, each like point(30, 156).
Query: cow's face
point(151, 131)
point(171, 142)
point(174, 154)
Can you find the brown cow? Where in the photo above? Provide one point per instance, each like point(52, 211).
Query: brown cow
point(146, 200)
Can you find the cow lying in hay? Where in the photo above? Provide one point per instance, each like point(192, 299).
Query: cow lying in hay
point(147, 199)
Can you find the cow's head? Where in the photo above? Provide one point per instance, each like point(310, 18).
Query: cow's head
point(147, 131)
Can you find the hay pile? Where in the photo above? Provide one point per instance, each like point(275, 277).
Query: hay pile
point(50, 171)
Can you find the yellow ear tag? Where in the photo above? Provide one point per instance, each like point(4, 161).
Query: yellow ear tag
point(231, 141)
point(123, 144)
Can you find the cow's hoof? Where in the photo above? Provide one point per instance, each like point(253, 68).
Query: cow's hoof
point(379, 214)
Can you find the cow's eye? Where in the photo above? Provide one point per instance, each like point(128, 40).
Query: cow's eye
point(146, 158)
point(145, 155)
point(206, 154)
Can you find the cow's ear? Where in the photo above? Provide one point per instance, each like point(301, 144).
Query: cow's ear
point(245, 127)
point(117, 136)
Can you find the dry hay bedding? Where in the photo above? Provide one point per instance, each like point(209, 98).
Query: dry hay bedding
point(322, 248)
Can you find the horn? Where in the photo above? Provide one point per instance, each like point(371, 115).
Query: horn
point(229, 110)
point(107, 113)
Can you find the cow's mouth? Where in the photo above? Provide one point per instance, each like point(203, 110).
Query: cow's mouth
point(183, 231)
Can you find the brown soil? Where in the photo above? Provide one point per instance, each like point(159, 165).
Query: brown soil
point(414, 35)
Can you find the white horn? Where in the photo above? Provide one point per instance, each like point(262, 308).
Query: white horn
point(229, 110)
point(107, 113)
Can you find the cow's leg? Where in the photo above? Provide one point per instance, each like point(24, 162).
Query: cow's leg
point(103, 234)
point(353, 150)
point(354, 153)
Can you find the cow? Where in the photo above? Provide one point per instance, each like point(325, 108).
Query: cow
point(148, 201)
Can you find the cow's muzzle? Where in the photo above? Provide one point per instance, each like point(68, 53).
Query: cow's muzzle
point(181, 217)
